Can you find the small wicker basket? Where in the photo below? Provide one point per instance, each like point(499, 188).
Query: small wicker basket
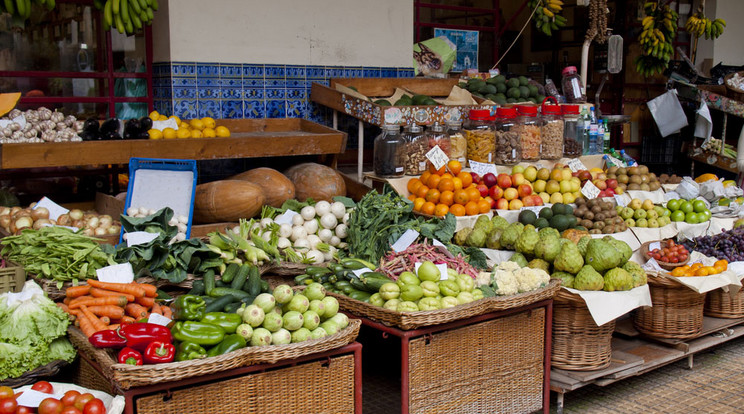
point(733, 92)
point(720, 304)
point(677, 311)
point(664, 265)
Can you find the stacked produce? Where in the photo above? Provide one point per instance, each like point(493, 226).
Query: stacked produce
point(21, 9)
point(633, 178)
point(71, 402)
point(599, 216)
point(670, 179)
point(408, 100)
point(644, 214)
point(556, 185)
point(448, 190)
point(195, 128)
point(714, 145)
point(694, 211)
point(698, 269)
point(727, 245)
point(669, 252)
point(699, 25)
point(15, 219)
point(502, 91)
point(559, 216)
point(138, 343)
point(395, 263)
point(127, 16)
point(32, 332)
point(509, 278)
point(39, 125)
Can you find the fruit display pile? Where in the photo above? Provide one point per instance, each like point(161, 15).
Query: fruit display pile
point(727, 245)
point(599, 216)
point(634, 178)
point(503, 91)
point(195, 128)
point(450, 190)
point(644, 214)
point(670, 252)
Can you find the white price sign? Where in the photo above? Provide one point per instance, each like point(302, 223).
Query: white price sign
point(33, 398)
point(590, 190)
point(437, 157)
point(361, 271)
point(139, 237)
point(55, 210)
point(653, 265)
point(158, 319)
point(482, 168)
point(654, 245)
point(161, 125)
point(620, 200)
point(286, 217)
point(576, 165)
point(442, 248)
point(121, 273)
point(405, 240)
point(616, 161)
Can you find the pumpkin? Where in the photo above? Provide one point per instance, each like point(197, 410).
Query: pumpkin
point(8, 101)
point(276, 186)
point(316, 181)
point(227, 200)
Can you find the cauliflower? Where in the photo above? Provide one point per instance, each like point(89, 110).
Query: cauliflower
point(530, 279)
point(504, 282)
point(509, 266)
point(483, 278)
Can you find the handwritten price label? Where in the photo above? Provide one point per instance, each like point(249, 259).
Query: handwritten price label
point(576, 165)
point(616, 161)
point(437, 157)
point(620, 200)
point(590, 190)
point(482, 168)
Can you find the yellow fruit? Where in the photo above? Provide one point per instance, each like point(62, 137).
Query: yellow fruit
point(195, 133)
point(154, 115)
point(178, 120)
point(155, 134)
point(706, 177)
point(222, 132)
point(162, 118)
point(184, 133)
point(209, 133)
point(197, 124)
point(209, 122)
point(170, 133)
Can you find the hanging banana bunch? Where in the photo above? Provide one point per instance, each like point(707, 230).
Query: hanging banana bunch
point(127, 16)
point(698, 25)
point(547, 17)
point(22, 8)
point(659, 30)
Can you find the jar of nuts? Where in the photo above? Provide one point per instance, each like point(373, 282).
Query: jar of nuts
point(479, 135)
point(508, 149)
point(416, 148)
point(551, 132)
point(572, 147)
point(528, 129)
point(458, 143)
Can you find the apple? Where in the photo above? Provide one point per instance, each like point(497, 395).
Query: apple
point(601, 176)
point(496, 192)
point(630, 222)
point(611, 183)
point(511, 193)
point(659, 211)
point(704, 215)
point(639, 214)
point(528, 201)
point(489, 179)
point(556, 198)
point(517, 169)
point(539, 186)
point(502, 204)
point(692, 218)
point(647, 205)
point(483, 189)
point(575, 174)
point(686, 207)
point(585, 175)
point(504, 180)
point(530, 174)
point(566, 186)
point(642, 222)
point(568, 198)
point(619, 190)
point(678, 215)
point(651, 214)
point(515, 204)
point(476, 177)
point(653, 223)
point(699, 206)
point(627, 213)
point(566, 173)
point(524, 190)
point(518, 179)
point(543, 174)
point(491, 200)
point(545, 197)
point(556, 174)
point(610, 192)
point(600, 184)
point(635, 204)
point(536, 200)
point(552, 187)
point(673, 204)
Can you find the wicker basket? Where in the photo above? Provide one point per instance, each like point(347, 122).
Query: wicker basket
point(663, 265)
point(578, 343)
point(128, 376)
point(43, 372)
point(288, 268)
point(720, 304)
point(413, 320)
point(677, 311)
point(732, 92)
point(12, 278)
point(57, 294)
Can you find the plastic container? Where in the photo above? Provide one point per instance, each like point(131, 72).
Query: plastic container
point(572, 147)
point(479, 133)
point(551, 132)
point(573, 89)
point(528, 128)
point(458, 143)
point(416, 148)
point(508, 147)
point(390, 153)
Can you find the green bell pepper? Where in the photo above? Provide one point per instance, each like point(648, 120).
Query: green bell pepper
point(227, 321)
point(188, 350)
point(188, 308)
point(230, 343)
point(200, 333)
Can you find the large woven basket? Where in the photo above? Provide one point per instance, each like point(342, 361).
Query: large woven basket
point(413, 320)
point(677, 311)
point(720, 304)
point(49, 286)
point(578, 343)
point(43, 372)
point(128, 376)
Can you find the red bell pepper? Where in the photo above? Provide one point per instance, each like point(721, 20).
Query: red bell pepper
point(139, 335)
point(159, 352)
point(130, 356)
point(108, 338)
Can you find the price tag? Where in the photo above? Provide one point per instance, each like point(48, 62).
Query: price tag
point(576, 165)
point(620, 200)
point(590, 190)
point(654, 245)
point(437, 157)
point(361, 271)
point(286, 217)
point(405, 240)
point(139, 237)
point(442, 248)
point(158, 319)
point(616, 161)
point(55, 210)
point(161, 125)
point(534, 209)
point(121, 273)
point(32, 398)
point(482, 168)
point(652, 264)
point(442, 270)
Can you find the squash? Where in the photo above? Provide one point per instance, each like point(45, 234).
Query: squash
point(276, 186)
point(8, 101)
point(227, 200)
point(316, 181)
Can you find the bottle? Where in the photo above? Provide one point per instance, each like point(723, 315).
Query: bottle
point(528, 128)
point(573, 89)
point(390, 152)
point(600, 137)
point(606, 137)
point(551, 132)
point(629, 161)
point(582, 131)
point(593, 139)
point(551, 90)
point(479, 133)
point(571, 142)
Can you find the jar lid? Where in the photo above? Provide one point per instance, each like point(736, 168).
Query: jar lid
point(391, 127)
point(415, 128)
point(481, 114)
point(568, 70)
point(437, 127)
point(551, 109)
point(570, 109)
point(502, 112)
point(528, 110)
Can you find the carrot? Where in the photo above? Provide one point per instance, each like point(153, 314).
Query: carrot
point(79, 298)
point(146, 301)
point(77, 291)
point(66, 301)
point(97, 324)
point(166, 311)
point(130, 288)
point(127, 320)
point(156, 308)
point(113, 312)
point(86, 326)
point(110, 300)
point(102, 293)
point(114, 326)
point(105, 320)
point(136, 311)
point(150, 290)
point(63, 306)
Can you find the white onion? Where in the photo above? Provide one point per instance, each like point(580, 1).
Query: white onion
point(298, 232)
point(113, 229)
point(100, 231)
point(285, 230)
point(341, 231)
point(316, 256)
point(89, 232)
point(92, 222)
point(5, 220)
point(322, 208)
point(144, 210)
point(180, 237)
point(297, 220)
point(151, 211)
point(265, 222)
point(329, 221)
point(338, 209)
point(301, 244)
point(328, 256)
point(307, 212)
point(266, 235)
point(182, 228)
point(40, 213)
point(335, 241)
point(76, 214)
point(183, 219)
point(283, 243)
point(132, 211)
point(173, 222)
point(4, 211)
point(325, 235)
point(343, 245)
point(41, 223)
point(311, 226)
point(313, 240)
point(345, 220)
point(236, 229)
point(64, 220)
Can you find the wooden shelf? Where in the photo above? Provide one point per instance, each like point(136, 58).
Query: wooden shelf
point(716, 160)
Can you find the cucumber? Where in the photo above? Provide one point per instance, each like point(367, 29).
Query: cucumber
point(300, 280)
point(232, 307)
point(347, 289)
point(374, 283)
point(265, 288)
point(208, 299)
point(209, 281)
point(360, 295)
point(197, 288)
point(341, 284)
point(352, 264)
point(376, 275)
point(253, 283)
point(241, 276)
point(223, 291)
point(248, 300)
point(220, 303)
point(219, 283)
point(230, 272)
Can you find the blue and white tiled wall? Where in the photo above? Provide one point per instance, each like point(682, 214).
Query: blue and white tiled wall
point(226, 90)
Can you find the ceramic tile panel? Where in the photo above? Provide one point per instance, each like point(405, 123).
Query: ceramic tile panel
point(228, 70)
point(275, 71)
point(296, 108)
point(334, 72)
point(353, 72)
point(183, 69)
point(275, 93)
point(253, 71)
point(388, 72)
point(184, 93)
point(253, 93)
point(315, 72)
point(295, 72)
point(185, 108)
point(231, 109)
point(209, 107)
point(207, 70)
point(254, 108)
point(371, 72)
point(276, 108)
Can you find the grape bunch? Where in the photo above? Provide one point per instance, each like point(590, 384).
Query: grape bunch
point(728, 245)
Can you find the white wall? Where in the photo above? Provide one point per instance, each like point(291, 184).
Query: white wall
point(309, 32)
point(728, 48)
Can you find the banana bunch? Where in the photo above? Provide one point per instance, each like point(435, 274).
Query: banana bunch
point(127, 16)
point(546, 15)
point(699, 25)
point(22, 8)
point(659, 30)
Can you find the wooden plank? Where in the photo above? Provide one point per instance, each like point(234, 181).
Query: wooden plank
point(326, 97)
point(625, 327)
point(620, 361)
point(708, 341)
point(384, 87)
point(655, 354)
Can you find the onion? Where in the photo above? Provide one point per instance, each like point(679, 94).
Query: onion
point(285, 230)
point(32, 205)
point(236, 229)
point(265, 222)
point(183, 219)
point(4, 211)
point(24, 222)
point(89, 232)
point(15, 210)
point(144, 210)
point(297, 220)
point(335, 241)
point(41, 223)
point(132, 211)
point(313, 240)
point(308, 212)
point(78, 223)
point(182, 228)
point(115, 229)
point(328, 256)
point(283, 243)
point(64, 220)
point(325, 235)
point(338, 209)
point(301, 244)
point(311, 226)
point(266, 235)
point(22, 213)
point(345, 220)
point(341, 231)
point(40, 213)
point(92, 222)
point(316, 256)
point(298, 232)
point(76, 214)
point(5, 221)
point(173, 222)
point(329, 221)
point(180, 237)
point(322, 208)
point(100, 231)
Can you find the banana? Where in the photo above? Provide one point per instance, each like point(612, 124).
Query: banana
point(707, 29)
point(116, 6)
point(723, 22)
point(9, 7)
point(21, 7)
point(119, 23)
point(547, 12)
point(124, 12)
point(134, 6)
point(108, 16)
point(153, 5)
point(143, 4)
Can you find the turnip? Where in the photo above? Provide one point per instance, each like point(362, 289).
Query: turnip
point(308, 213)
point(329, 221)
point(281, 337)
point(341, 231)
point(316, 256)
point(311, 226)
point(302, 244)
point(265, 222)
point(261, 337)
point(298, 232)
point(338, 209)
point(335, 241)
point(285, 230)
point(283, 243)
point(266, 235)
point(313, 240)
point(325, 235)
point(322, 208)
point(297, 220)
point(345, 220)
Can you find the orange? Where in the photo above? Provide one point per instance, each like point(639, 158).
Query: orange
point(441, 210)
point(435, 171)
point(417, 203)
point(454, 166)
point(484, 206)
point(412, 197)
point(428, 207)
point(471, 208)
point(701, 272)
point(446, 184)
point(721, 264)
point(413, 185)
point(473, 193)
point(461, 197)
point(433, 195)
point(457, 210)
point(466, 178)
point(447, 198)
point(679, 271)
point(711, 270)
point(433, 181)
point(425, 176)
point(457, 183)
point(696, 266)
point(422, 190)
point(447, 175)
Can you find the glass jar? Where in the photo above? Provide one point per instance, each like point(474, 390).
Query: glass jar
point(458, 143)
point(572, 147)
point(508, 148)
point(528, 129)
point(480, 137)
point(573, 88)
point(551, 132)
point(435, 135)
point(416, 148)
point(390, 153)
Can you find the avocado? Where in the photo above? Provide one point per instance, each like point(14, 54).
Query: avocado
point(403, 102)
point(500, 99)
point(523, 80)
point(546, 213)
point(572, 220)
point(567, 209)
point(430, 101)
point(490, 89)
point(513, 93)
point(527, 217)
point(146, 123)
point(419, 99)
point(533, 100)
point(501, 87)
point(541, 223)
point(513, 83)
point(463, 85)
point(559, 222)
point(511, 100)
point(382, 102)
point(475, 85)
point(533, 90)
point(491, 97)
point(500, 79)
point(524, 92)
point(559, 208)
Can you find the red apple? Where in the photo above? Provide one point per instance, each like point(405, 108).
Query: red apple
point(602, 176)
point(575, 174)
point(489, 180)
point(610, 192)
point(600, 184)
point(496, 192)
point(518, 179)
point(536, 200)
point(515, 204)
point(524, 190)
point(483, 189)
point(502, 204)
point(585, 175)
point(504, 181)
point(611, 183)
point(511, 193)
point(476, 177)
point(528, 201)
point(491, 200)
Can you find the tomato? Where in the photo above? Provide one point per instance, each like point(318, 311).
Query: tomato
point(94, 406)
point(43, 386)
point(6, 392)
point(71, 410)
point(24, 410)
point(8, 405)
point(69, 398)
point(83, 399)
point(50, 406)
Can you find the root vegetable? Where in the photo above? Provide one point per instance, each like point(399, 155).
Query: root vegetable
point(183, 219)
point(335, 241)
point(316, 256)
point(308, 213)
point(64, 220)
point(285, 230)
point(76, 214)
point(298, 220)
point(341, 231)
point(283, 243)
point(325, 235)
point(132, 211)
point(338, 209)
point(5, 221)
point(322, 208)
point(40, 213)
point(265, 222)
point(329, 221)
point(298, 233)
point(301, 244)
point(105, 221)
point(41, 223)
point(114, 229)
point(99, 231)
point(24, 222)
point(311, 226)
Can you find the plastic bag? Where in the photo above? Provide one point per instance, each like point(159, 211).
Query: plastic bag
point(712, 189)
point(667, 112)
point(688, 189)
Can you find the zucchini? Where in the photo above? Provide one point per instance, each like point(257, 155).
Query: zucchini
point(223, 291)
point(352, 264)
point(376, 275)
point(374, 283)
point(248, 300)
point(209, 282)
point(347, 289)
point(253, 284)
point(241, 276)
point(220, 303)
point(341, 284)
point(359, 285)
point(232, 307)
point(321, 278)
point(197, 288)
point(300, 280)
point(317, 270)
point(334, 268)
point(332, 279)
point(360, 295)
point(328, 286)
point(163, 295)
point(230, 272)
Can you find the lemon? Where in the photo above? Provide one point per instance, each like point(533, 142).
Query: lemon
point(178, 120)
point(197, 124)
point(183, 124)
point(154, 115)
point(209, 133)
point(222, 132)
point(169, 133)
point(162, 118)
point(183, 133)
point(155, 134)
point(209, 122)
point(195, 133)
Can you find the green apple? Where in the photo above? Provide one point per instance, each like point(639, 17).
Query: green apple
point(699, 206)
point(686, 207)
point(673, 204)
point(652, 214)
point(630, 222)
point(639, 214)
point(635, 204)
point(678, 215)
point(530, 174)
point(627, 213)
point(692, 218)
point(619, 209)
point(667, 212)
point(642, 222)
point(653, 223)
point(659, 211)
point(517, 169)
point(704, 215)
